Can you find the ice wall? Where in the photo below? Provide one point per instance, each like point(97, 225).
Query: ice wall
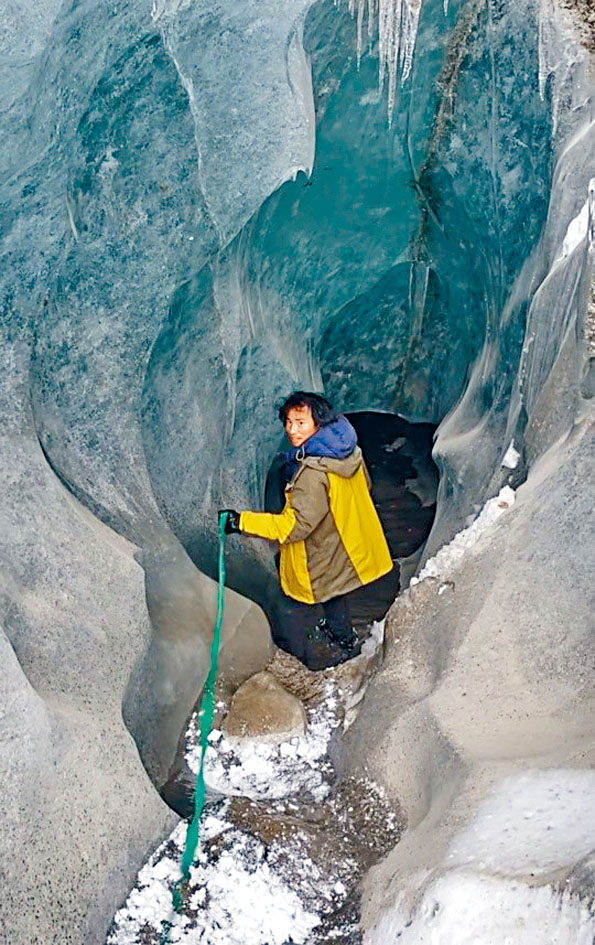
point(384, 276)
point(480, 723)
point(525, 388)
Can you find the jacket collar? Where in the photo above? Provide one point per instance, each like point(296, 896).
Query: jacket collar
point(336, 440)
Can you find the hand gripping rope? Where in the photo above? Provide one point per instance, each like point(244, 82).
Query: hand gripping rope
point(207, 708)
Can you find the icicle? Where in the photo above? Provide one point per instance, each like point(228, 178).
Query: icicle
point(370, 18)
point(360, 23)
point(408, 36)
point(164, 8)
point(389, 49)
point(397, 30)
point(591, 231)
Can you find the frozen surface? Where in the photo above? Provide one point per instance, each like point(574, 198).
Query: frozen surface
point(254, 127)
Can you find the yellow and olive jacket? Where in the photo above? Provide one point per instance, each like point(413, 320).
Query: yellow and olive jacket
point(329, 533)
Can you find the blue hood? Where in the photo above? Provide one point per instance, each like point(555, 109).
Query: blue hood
point(336, 440)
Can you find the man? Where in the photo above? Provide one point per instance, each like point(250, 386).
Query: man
point(330, 537)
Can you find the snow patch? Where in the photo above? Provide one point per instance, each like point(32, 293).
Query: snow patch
point(531, 823)
point(578, 230)
point(511, 457)
point(263, 770)
point(236, 897)
point(467, 909)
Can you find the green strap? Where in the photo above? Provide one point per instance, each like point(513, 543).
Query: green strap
point(206, 720)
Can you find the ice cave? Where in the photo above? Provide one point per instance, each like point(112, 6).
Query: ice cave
point(207, 205)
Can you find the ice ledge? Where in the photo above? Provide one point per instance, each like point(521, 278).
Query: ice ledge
point(480, 723)
point(249, 88)
point(447, 558)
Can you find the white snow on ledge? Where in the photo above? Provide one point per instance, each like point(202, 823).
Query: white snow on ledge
point(266, 771)
point(450, 555)
point(511, 457)
point(530, 825)
point(578, 228)
point(462, 908)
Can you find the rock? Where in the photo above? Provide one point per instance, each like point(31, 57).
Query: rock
point(262, 707)
point(307, 685)
point(351, 677)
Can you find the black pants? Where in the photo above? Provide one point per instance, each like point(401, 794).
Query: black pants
point(293, 623)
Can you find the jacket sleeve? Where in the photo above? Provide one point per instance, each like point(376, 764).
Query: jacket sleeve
point(309, 505)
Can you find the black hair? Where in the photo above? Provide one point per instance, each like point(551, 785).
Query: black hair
point(323, 411)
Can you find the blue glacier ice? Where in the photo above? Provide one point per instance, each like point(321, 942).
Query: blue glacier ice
point(204, 206)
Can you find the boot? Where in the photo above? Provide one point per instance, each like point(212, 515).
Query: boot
point(348, 640)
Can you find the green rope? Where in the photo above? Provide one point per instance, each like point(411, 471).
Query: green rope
point(207, 709)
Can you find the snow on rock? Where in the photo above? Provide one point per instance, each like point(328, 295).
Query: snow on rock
point(451, 554)
point(248, 904)
point(259, 769)
point(263, 874)
point(266, 873)
point(271, 913)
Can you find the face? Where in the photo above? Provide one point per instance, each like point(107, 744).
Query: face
point(299, 425)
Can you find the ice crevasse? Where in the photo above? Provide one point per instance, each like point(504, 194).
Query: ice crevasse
point(206, 205)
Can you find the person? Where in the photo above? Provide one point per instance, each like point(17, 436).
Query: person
point(329, 534)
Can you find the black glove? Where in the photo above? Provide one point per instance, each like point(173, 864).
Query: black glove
point(232, 522)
